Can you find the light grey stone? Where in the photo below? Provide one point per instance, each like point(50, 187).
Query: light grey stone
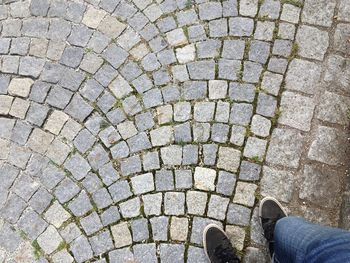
point(277, 183)
point(285, 148)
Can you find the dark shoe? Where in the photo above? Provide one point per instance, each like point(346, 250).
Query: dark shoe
point(217, 245)
point(270, 211)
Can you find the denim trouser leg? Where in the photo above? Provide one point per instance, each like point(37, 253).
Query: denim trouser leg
point(297, 240)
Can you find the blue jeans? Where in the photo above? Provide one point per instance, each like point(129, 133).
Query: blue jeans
point(297, 240)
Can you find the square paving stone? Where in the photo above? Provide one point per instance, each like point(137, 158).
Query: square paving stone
point(172, 253)
point(259, 51)
point(318, 182)
point(78, 166)
point(196, 202)
point(277, 183)
point(217, 207)
point(40, 200)
point(201, 70)
point(150, 161)
point(229, 159)
point(144, 121)
point(209, 152)
point(242, 92)
point(245, 194)
point(226, 183)
point(218, 28)
point(238, 215)
point(101, 243)
point(208, 48)
point(130, 208)
point(171, 155)
point(98, 157)
point(20, 87)
point(303, 76)
point(260, 126)
point(120, 190)
point(313, 43)
point(266, 105)
point(204, 111)
point(56, 215)
point(179, 228)
point(204, 179)
point(174, 203)
point(182, 133)
point(183, 179)
point(81, 249)
point(264, 30)
point(145, 252)
point(255, 148)
point(49, 240)
point(121, 255)
point(333, 108)
point(164, 180)
point(219, 132)
point(328, 146)
point(80, 205)
point(160, 228)
point(91, 223)
point(241, 113)
point(102, 198)
point(70, 232)
point(152, 204)
point(142, 183)
point(229, 69)
point(217, 89)
point(196, 254)
point(66, 190)
point(110, 216)
point(285, 148)
point(249, 171)
point(139, 142)
point(318, 12)
point(139, 229)
point(222, 113)
point(241, 26)
point(297, 111)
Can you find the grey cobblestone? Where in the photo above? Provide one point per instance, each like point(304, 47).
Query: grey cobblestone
point(125, 123)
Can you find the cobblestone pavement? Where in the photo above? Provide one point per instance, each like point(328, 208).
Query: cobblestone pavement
point(127, 126)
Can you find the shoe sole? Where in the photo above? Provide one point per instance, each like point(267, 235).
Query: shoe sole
point(205, 233)
point(269, 198)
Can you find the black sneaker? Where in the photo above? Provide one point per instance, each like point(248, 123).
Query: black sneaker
point(217, 245)
point(270, 211)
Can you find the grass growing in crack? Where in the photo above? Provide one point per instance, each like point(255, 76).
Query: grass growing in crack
point(256, 159)
point(258, 196)
point(36, 249)
point(294, 52)
point(275, 118)
point(189, 4)
point(293, 2)
point(104, 124)
point(118, 104)
point(62, 245)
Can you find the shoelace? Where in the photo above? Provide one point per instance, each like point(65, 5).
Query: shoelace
point(226, 254)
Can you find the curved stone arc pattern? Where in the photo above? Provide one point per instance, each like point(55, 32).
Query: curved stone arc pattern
point(126, 127)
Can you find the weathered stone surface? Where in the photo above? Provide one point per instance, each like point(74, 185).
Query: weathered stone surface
point(329, 146)
point(297, 111)
point(277, 183)
point(285, 148)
